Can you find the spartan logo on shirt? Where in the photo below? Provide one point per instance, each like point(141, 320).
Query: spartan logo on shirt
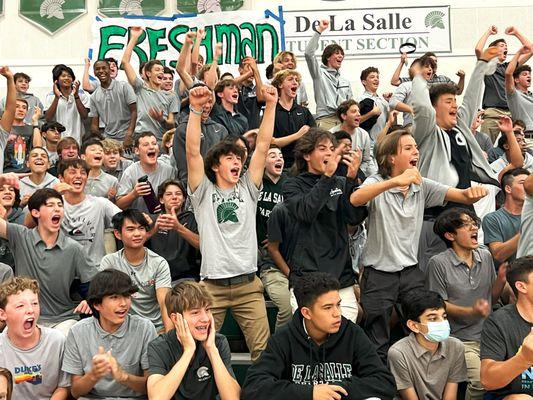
point(28, 373)
point(320, 373)
point(527, 379)
point(203, 374)
point(227, 207)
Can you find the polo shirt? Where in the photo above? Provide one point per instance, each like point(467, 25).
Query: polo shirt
point(148, 98)
point(67, 113)
point(414, 366)
point(198, 383)
point(521, 107)
point(111, 106)
point(395, 223)
point(128, 344)
point(249, 106)
point(288, 122)
point(235, 123)
point(99, 185)
point(55, 268)
point(458, 284)
point(121, 166)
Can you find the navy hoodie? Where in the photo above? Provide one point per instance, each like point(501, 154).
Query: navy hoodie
point(321, 205)
point(292, 363)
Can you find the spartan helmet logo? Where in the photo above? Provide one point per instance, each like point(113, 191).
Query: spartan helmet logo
point(203, 373)
point(131, 7)
point(52, 8)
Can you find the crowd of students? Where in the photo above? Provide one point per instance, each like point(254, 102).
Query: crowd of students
point(398, 253)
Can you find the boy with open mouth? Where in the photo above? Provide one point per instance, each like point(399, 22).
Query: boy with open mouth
point(31, 352)
point(39, 178)
point(99, 183)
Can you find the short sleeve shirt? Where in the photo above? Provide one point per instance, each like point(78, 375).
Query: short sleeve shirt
point(55, 268)
point(395, 223)
point(500, 226)
point(415, 367)
point(458, 284)
point(36, 371)
point(152, 274)
point(99, 186)
point(128, 344)
point(226, 225)
point(67, 113)
point(501, 338)
point(198, 382)
point(525, 245)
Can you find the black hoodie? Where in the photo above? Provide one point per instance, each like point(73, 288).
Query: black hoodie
point(323, 210)
point(292, 363)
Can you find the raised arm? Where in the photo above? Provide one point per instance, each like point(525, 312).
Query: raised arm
point(182, 65)
point(516, 158)
point(483, 39)
point(395, 80)
point(525, 42)
point(86, 83)
point(513, 64)
point(135, 34)
point(312, 47)
point(424, 121)
point(198, 96)
point(257, 76)
point(211, 76)
point(195, 55)
point(37, 137)
point(461, 82)
point(264, 137)
point(11, 100)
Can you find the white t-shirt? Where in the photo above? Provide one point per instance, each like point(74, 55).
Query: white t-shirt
point(67, 113)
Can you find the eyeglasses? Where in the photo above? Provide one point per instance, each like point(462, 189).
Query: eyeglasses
point(470, 225)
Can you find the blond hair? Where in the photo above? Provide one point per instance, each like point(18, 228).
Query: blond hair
point(279, 57)
point(16, 285)
point(280, 77)
point(187, 295)
point(112, 145)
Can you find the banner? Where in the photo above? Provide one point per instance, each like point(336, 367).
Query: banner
point(205, 6)
point(120, 8)
point(52, 15)
point(242, 33)
point(1, 7)
point(367, 31)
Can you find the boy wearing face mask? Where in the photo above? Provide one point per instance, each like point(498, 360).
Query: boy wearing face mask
point(428, 364)
point(465, 277)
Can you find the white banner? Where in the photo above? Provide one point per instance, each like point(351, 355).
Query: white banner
point(242, 33)
point(368, 31)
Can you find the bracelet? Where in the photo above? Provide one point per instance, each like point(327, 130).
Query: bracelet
point(194, 111)
point(36, 126)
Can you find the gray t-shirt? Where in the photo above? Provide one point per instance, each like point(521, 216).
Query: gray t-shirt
point(3, 142)
point(86, 222)
point(27, 186)
point(149, 98)
point(128, 345)
point(500, 226)
point(111, 106)
point(226, 224)
point(458, 284)
point(413, 366)
point(37, 371)
point(55, 268)
point(521, 107)
point(502, 162)
point(6, 272)
point(525, 244)
point(130, 178)
point(395, 223)
point(99, 186)
point(152, 274)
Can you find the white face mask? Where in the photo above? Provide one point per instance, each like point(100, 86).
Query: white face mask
point(437, 331)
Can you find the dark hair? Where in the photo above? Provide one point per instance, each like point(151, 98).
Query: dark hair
point(59, 69)
point(106, 283)
point(111, 60)
point(133, 215)
point(429, 54)
point(519, 270)
point(329, 51)
point(235, 138)
point(311, 285)
point(22, 75)
point(344, 107)
point(221, 85)
point(508, 177)
point(450, 220)
point(75, 163)
point(518, 122)
point(161, 189)
point(167, 70)
point(368, 71)
point(340, 135)
point(53, 124)
point(67, 142)
point(9, 377)
point(16, 202)
point(436, 91)
point(416, 302)
point(269, 71)
point(212, 158)
point(38, 148)
point(306, 144)
point(495, 42)
point(427, 61)
point(91, 142)
point(520, 69)
point(142, 135)
point(142, 64)
point(150, 65)
point(39, 199)
point(101, 61)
